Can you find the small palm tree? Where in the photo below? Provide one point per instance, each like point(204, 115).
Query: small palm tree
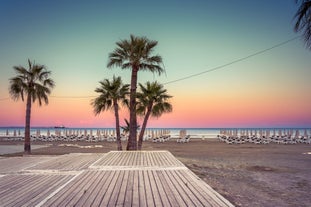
point(135, 54)
point(35, 84)
point(152, 101)
point(126, 128)
point(303, 20)
point(110, 94)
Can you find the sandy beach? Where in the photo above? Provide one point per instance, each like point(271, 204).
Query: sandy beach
point(246, 174)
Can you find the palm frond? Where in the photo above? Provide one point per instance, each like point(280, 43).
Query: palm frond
point(303, 21)
point(109, 92)
point(34, 81)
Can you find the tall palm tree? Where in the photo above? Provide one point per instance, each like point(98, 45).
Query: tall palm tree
point(35, 84)
point(110, 94)
point(135, 54)
point(303, 20)
point(152, 101)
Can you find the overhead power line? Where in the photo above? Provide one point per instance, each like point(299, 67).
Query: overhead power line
point(233, 62)
point(196, 74)
point(4, 99)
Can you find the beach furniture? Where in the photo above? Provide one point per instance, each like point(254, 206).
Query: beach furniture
point(183, 137)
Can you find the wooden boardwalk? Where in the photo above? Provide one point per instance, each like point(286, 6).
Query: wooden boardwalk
point(140, 178)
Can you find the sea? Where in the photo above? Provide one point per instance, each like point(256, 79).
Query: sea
point(174, 132)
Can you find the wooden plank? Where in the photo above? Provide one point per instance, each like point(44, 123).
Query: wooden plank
point(67, 192)
point(102, 188)
point(122, 191)
point(212, 196)
point(173, 197)
point(75, 161)
point(82, 190)
point(110, 189)
point(129, 189)
point(89, 199)
point(149, 194)
point(16, 164)
point(194, 189)
point(84, 200)
point(32, 191)
point(185, 189)
point(34, 199)
point(141, 188)
point(161, 198)
point(116, 191)
point(9, 197)
point(9, 182)
point(135, 200)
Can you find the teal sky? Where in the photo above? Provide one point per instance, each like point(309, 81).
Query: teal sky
point(73, 39)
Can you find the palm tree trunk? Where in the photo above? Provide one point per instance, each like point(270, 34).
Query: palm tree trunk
point(132, 141)
point(142, 132)
point(27, 148)
point(116, 113)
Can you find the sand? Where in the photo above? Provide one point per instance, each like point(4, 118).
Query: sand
point(246, 174)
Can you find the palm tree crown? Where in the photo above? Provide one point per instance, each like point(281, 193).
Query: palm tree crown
point(303, 20)
point(155, 96)
point(110, 91)
point(136, 53)
point(33, 81)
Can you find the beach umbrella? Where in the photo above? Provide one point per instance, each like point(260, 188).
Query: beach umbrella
point(305, 134)
point(48, 133)
point(14, 133)
point(7, 132)
point(297, 134)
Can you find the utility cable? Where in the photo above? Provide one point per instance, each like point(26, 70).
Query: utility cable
point(196, 74)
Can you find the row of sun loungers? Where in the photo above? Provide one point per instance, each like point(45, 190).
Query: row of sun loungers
point(264, 139)
point(68, 138)
point(184, 139)
point(162, 138)
point(87, 138)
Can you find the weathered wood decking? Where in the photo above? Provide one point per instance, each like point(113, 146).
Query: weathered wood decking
point(141, 178)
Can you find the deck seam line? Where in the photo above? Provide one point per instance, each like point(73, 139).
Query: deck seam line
point(58, 189)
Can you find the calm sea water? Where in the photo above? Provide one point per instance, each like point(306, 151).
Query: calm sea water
point(174, 132)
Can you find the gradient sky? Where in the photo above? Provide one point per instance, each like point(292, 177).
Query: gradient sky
point(73, 39)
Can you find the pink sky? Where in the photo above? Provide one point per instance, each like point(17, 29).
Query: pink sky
point(195, 112)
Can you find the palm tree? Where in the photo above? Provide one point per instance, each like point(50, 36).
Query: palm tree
point(126, 128)
point(34, 83)
point(110, 94)
point(135, 54)
point(303, 20)
point(152, 101)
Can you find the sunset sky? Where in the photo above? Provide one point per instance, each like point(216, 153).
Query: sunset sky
point(73, 39)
